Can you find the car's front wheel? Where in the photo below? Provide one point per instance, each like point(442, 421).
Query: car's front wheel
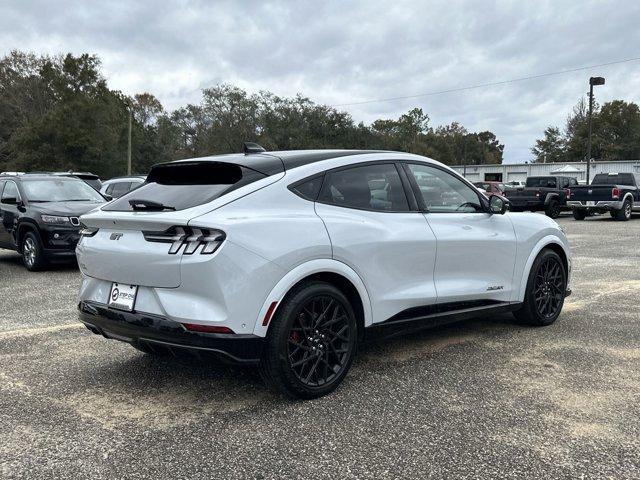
point(311, 342)
point(546, 290)
point(32, 252)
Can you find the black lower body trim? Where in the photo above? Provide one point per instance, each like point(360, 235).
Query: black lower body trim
point(158, 332)
point(435, 315)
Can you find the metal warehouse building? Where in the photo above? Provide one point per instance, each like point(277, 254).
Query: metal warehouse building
point(520, 171)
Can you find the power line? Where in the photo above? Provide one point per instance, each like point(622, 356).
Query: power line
point(490, 84)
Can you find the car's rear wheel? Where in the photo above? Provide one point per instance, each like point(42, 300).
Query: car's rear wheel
point(624, 213)
point(553, 209)
point(32, 252)
point(311, 342)
point(579, 214)
point(546, 290)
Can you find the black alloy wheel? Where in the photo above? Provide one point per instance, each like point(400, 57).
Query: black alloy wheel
point(546, 290)
point(311, 341)
point(549, 287)
point(553, 209)
point(319, 339)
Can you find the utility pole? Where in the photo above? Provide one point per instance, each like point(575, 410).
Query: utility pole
point(129, 142)
point(592, 81)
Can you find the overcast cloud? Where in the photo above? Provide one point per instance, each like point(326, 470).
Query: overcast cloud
point(342, 52)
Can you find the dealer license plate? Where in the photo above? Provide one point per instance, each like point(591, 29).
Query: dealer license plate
point(123, 297)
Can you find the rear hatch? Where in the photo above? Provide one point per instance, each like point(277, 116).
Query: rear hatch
point(133, 239)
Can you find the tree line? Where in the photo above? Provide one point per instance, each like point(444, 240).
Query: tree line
point(615, 134)
point(58, 113)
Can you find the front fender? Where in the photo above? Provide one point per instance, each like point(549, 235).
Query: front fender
point(542, 243)
point(303, 271)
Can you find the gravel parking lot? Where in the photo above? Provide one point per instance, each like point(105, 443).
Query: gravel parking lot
point(481, 399)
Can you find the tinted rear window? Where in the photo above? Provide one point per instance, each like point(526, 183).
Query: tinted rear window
point(545, 182)
point(617, 179)
point(187, 184)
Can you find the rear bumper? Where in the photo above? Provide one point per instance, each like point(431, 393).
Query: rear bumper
point(159, 332)
point(532, 204)
point(605, 205)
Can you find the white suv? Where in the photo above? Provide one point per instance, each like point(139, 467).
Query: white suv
point(288, 259)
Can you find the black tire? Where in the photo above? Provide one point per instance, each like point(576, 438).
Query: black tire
point(624, 214)
point(546, 290)
point(579, 214)
point(315, 323)
point(553, 209)
point(32, 252)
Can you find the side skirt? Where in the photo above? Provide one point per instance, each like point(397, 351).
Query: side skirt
point(430, 316)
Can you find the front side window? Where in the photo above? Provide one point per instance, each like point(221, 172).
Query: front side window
point(10, 191)
point(369, 187)
point(442, 192)
point(60, 190)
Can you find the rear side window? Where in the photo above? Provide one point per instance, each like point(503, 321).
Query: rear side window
point(309, 188)
point(369, 187)
point(613, 179)
point(180, 185)
point(544, 182)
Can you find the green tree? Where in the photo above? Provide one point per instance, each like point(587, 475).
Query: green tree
point(551, 148)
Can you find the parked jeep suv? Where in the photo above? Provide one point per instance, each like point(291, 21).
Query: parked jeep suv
point(548, 194)
point(286, 260)
point(40, 215)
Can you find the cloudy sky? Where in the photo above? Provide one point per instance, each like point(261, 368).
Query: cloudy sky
point(347, 52)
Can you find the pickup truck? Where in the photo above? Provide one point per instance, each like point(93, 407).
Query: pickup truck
point(548, 194)
point(616, 193)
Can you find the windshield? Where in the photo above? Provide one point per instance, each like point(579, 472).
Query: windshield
point(546, 182)
point(60, 190)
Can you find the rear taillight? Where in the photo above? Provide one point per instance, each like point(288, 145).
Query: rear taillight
point(567, 192)
point(615, 193)
point(194, 327)
point(189, 237)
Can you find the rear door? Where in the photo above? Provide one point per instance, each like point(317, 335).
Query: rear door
point(373, 230)
point(476, 251)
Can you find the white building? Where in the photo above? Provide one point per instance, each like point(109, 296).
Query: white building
point(510, 172)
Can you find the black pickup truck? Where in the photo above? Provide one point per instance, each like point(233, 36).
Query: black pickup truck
point(616, 193)
point(548, 194)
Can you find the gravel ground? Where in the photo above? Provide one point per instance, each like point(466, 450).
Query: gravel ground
point(481, 399)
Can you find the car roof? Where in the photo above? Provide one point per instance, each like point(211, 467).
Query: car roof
point(271, 163)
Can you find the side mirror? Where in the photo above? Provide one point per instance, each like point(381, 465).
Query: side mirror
point(10, 200)
point(108, 198)
point(498, 204)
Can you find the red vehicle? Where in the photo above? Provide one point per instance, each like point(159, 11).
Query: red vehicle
point(495, 188)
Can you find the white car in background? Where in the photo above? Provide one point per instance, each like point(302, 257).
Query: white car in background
point(287, 260)
point(116, 187)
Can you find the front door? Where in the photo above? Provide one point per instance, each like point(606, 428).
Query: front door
point(8, 212)
point(476, 250)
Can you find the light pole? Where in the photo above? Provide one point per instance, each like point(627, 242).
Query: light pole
point(130, 109)
point(592, 81)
